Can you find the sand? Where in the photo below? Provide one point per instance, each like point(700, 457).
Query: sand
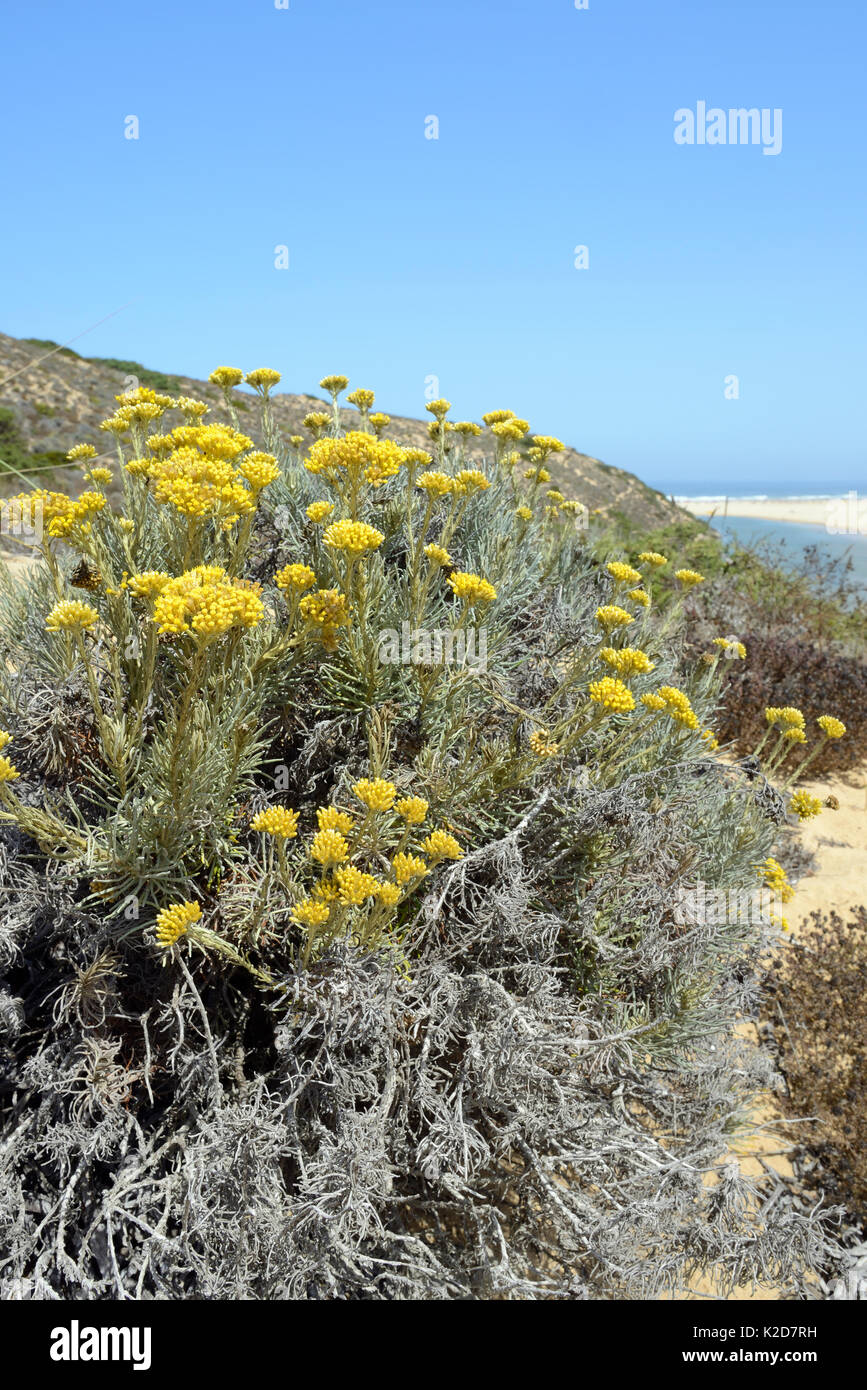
point(832, 512)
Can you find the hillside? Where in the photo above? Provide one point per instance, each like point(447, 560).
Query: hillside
point(51, 398)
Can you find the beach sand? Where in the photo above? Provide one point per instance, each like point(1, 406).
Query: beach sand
point(839, 882)
point(811, 511)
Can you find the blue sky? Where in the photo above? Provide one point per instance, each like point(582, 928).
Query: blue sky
point(411, 257)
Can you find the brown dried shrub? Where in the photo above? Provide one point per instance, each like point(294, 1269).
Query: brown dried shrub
point(817, 1011)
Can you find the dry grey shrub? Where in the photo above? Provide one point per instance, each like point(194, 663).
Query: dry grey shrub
point(538, 1104)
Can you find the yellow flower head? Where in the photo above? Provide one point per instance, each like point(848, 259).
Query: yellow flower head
point(440, 408)
point(470, 480)
point(612, 695)
point(329, 818)
point(785, 714)
point(262, 379)
point(652, 557)
point(639, 596)
point(173, 922)
point(356, 537)
point(407, 867)
point(436, 484)
point(148, 584)
point(8, 772)
point(334, 385)
point(471, 587)
point(226, 377)
point(362, 398)
point(320, 511)
point(547, 444)
point(609, 617)
point(413, 809)
point(498, 417)
point(627, 661)
point(441, 845)
point(80, 452)
point(354, 886)
point(278, 821)
point(523, 513)
point(795, 735)
point(353, 453)
point(316, 421)
point(379, 422)
point(259, 469)
point(710, 738)
point(295, 577)
point(376, 794)
point(326, 608)
point(389, 894)
point(311, 912)
point(71, 616)
point(467, 429)
point(624, 574)
point(329, 847)
point(831, 727)
point(775, 878)
point(207, 602)
point(689, 577)
point(437, 555)
point(805, 806)
point(675, 704)
point(542, 745)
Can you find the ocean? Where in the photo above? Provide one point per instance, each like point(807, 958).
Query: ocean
point(795, 536)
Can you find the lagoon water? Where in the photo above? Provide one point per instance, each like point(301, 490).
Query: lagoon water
point(796, 537)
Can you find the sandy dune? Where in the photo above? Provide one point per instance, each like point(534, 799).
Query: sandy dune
point(843, 515)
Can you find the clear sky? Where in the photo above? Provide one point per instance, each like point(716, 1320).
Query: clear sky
point(454, 257)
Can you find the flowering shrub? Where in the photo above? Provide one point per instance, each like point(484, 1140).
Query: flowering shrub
point(334, 977)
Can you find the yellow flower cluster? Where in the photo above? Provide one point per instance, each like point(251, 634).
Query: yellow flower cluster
point(542, 745)
point(376, 794)
point(8, 772)
point(71, 616)
point(354, 886)
point(413, 809)
point(673, 702)
point(226, 377)
point(199, 470)
point(652, 557)
point(278, 821)
point(774, 876)
point(727, 645)
point(327, 610)
point(436, 484)
point(329, 818)
point(297, 577)
point(329, 847)
point(640, 596)
point(356, 537)
point(609, 617)
point(407, 867)
point(524, 513)
point(689, 577)
point(831, 727)
point(627, 661)
point(624, 574)
point(173, 922)
point(262, 379)
point(320, 511)
point(441, 845)
point(148, 584)
point(353, 454)
point(471, 587)
point(785, 714)
point(207, 602)
point(437, 555)
point(311, 913)
point(805, 806)
point(612, 695)
point(470, 480)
